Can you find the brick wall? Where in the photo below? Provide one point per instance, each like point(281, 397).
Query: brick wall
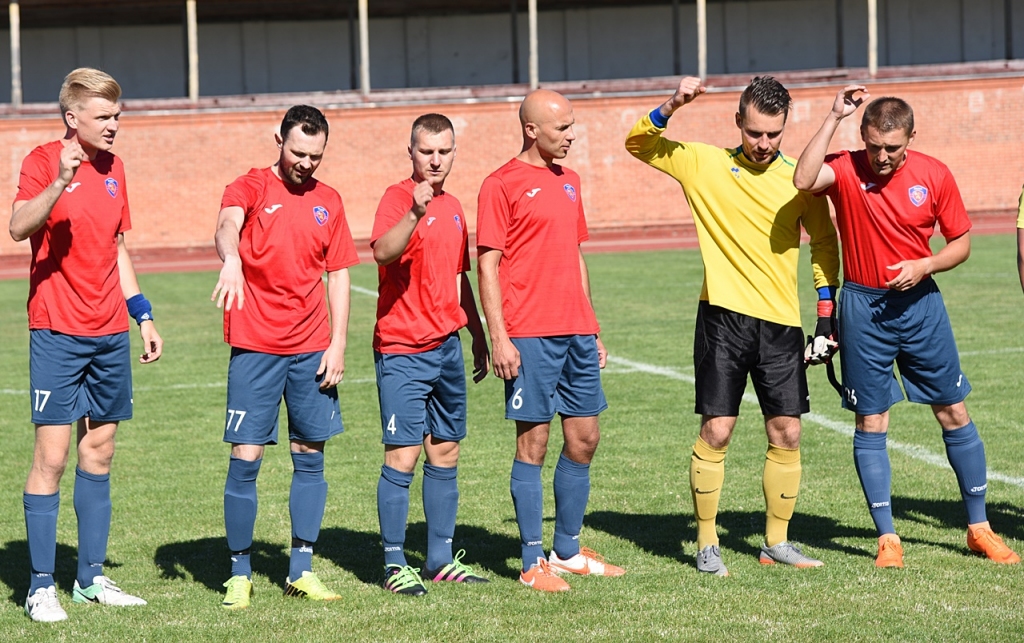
point(178, 164)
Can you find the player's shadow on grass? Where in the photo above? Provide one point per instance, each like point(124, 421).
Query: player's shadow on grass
point(14, 568)
point(360, 552)
point(664, 534)
point(208, 561)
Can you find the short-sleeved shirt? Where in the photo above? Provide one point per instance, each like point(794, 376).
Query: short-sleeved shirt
point(74, 284)
point(290, 236)
point(1020, 210)
point(748, 219)
point(418, 306)
point(534, 216)
point(887, 219)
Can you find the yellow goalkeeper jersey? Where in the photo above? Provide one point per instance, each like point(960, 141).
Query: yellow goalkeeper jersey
point(748, 222)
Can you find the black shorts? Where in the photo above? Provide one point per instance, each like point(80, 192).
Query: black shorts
point(728, 346)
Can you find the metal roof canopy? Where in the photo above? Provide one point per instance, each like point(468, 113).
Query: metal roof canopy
point(96, 13)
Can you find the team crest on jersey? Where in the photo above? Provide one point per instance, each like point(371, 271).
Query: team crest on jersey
point(918, 194)
point(320, 214)
point(111, 187)
point(735, 171)
point(570, 191)
point(458, 222)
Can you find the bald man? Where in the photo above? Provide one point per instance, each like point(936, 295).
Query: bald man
point(544, 334)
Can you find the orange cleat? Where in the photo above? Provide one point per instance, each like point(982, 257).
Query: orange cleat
point(542, 578)
point(986, 542)
point(890, 552)
point(586, 563)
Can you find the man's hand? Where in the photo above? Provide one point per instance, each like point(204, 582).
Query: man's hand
point(911, 273)
point(823, 345)
point(505, 358)
point(689, 88)
point(422, 195)
point(332, 366)
point(152, 343)
point(231, 284)
point(602, 354)
point(71, 158)
point(481, 359)
point(847, 100)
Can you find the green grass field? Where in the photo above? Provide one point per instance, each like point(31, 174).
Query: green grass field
point(167, 541)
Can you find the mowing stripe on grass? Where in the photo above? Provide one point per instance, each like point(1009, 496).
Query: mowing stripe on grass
point(916, 452)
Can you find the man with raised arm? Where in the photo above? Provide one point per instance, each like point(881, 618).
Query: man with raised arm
point(748, 218)
point(72, 204)
point(888, 199)
point(421, 243)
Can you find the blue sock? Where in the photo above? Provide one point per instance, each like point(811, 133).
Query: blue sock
point(572, 490)
point(872, 462)
point(41, 525)
point(306, 504)
point(440, 506)
point(393, 512)
point(528, 498)
point(92, 506)
point(966, 455)
point(240, 512)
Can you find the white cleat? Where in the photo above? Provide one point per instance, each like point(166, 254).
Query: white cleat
point(42, 606)
point(105, 592)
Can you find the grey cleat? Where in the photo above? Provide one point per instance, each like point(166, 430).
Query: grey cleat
point(787, 553)
point(709, 561)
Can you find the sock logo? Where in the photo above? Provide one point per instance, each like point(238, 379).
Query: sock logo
point(879, 505)
point(534, 543)
point(702, 492)
point(392, 549)
point(979, 489)
point(785, 497)
point(306, 549)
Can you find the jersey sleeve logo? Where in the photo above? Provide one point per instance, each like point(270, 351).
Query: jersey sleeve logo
point(111, 187)
point(458, 222)
point(918, 194)
point(570, 191)
point(320, 214)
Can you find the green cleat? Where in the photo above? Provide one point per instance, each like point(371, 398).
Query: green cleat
point(238, 594)
point(403, 580)
point(105, 592)
point(309, 586)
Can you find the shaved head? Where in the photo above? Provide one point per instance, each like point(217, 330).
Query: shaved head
point(547, 119)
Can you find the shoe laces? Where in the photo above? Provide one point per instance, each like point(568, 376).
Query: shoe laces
point(458, 565)
point(108, 585)
point(406, 577)
point(587, 552)
point(544, 568)
point(316, 585)
point(237, 589)
point(47, 598)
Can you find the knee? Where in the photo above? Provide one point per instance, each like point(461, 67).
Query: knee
point(96, 458)
point(952, 416)
point(50, 464)
point(582, 446)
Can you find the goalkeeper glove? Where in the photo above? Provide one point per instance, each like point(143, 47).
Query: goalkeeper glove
point(823, 345)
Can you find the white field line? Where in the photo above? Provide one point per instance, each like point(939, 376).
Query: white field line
point(994, 351)
point(916, 452)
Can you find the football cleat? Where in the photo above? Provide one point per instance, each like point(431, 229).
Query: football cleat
point(105, 592)
point(42, 606)
point(309, 586)
point(890, 552)
point(238, 594)
point(985, 541)
point(709, 561)
point(587, 562)
point(787, 554)
point(402, 579)
point(455, 572)
point(542, 577)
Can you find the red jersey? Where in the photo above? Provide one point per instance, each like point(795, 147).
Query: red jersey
point(534, 215)
point(291, 235)
point(418, 307)
point(885, 220)
point(75, 288)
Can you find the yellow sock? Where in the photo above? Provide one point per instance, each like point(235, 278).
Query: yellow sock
point(781, 484)
point(707, 472)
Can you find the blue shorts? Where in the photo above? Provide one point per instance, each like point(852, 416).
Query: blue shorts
point(911, 329)
point(556, 375)
point(71, 377)
point(256, 384)
point(422, 394)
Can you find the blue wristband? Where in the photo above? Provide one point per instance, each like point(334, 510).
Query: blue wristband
point(826, 292)
point(657, 119)
point(140, 308)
